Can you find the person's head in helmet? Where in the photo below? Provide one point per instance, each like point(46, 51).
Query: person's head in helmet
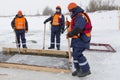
point(20, 13)
point(74, 9)
point(71, 7)
point(58, 9)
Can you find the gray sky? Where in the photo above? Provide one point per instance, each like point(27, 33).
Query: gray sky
point(32, 6)
point(10, 7)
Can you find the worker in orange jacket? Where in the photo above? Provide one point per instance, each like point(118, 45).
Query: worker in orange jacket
point(57, 27)
point(20, 26)
point(80, 31)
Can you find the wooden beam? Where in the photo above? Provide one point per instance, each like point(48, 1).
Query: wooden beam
point(54, 53)
point(33, 67)
point(3, 74)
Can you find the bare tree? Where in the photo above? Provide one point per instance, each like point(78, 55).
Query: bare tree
point(37, 14)
point(96, 5)
point(47, 11)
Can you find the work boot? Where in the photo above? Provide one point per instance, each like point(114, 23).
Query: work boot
point(83, 74)
point(24, 46)
point(58, 48)
point(18, 46)
point(50, 47)
point(75, 73)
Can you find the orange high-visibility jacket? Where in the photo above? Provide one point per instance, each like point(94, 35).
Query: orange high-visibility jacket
point(56, 19)
point(20, 23)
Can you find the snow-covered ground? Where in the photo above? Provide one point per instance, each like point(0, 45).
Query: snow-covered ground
point(104, 66)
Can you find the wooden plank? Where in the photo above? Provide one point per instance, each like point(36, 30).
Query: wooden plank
point(3, 74)
point(36, 52)
point(32, 67)
point(55, 53)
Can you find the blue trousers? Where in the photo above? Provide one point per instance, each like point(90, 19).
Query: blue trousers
point(79, 60)
point(55, 34)
point(20, 35)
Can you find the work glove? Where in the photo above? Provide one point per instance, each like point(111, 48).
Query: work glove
point(44, 22)
point(69, 35)
point(62, 31)
point(26, 31)
point(67, 23)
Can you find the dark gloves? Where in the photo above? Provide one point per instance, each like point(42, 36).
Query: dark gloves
point(67, 23)
point(70, 34)
point(26, 31)
point(62, 30)
point(75, 31)
point(45, 22)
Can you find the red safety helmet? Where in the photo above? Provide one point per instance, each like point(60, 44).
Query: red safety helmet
point(72, 5)
point(19, 12)
point(58, 7)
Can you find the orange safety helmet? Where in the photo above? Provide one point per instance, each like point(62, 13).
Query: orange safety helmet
point(72, 5)
point(58, 7)
point(19, 12)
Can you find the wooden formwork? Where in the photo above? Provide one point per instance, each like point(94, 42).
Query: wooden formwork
point(57, 53)
point(54, 53)
point(108, 47)
point(33, 67)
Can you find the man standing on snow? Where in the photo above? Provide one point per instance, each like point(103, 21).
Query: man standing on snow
point(57, 27)
point(20, 26)
point(80, 32)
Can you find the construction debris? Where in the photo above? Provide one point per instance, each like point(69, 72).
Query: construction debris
point(37, 63)
point(10, 58)
point(33, 67)
point(107, 47)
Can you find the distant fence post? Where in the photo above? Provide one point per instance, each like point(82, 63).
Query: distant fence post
point(119, 16)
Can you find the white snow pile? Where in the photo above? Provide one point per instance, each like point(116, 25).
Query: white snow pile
point(104, 66)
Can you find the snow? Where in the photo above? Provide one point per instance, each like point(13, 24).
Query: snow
point(104, 66)
point(40, 61)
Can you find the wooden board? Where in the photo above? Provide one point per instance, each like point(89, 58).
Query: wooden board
point(57, 53)
point(32, 67)
point(54, 53)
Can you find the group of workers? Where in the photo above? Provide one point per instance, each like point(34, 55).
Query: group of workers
point(79, 30)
